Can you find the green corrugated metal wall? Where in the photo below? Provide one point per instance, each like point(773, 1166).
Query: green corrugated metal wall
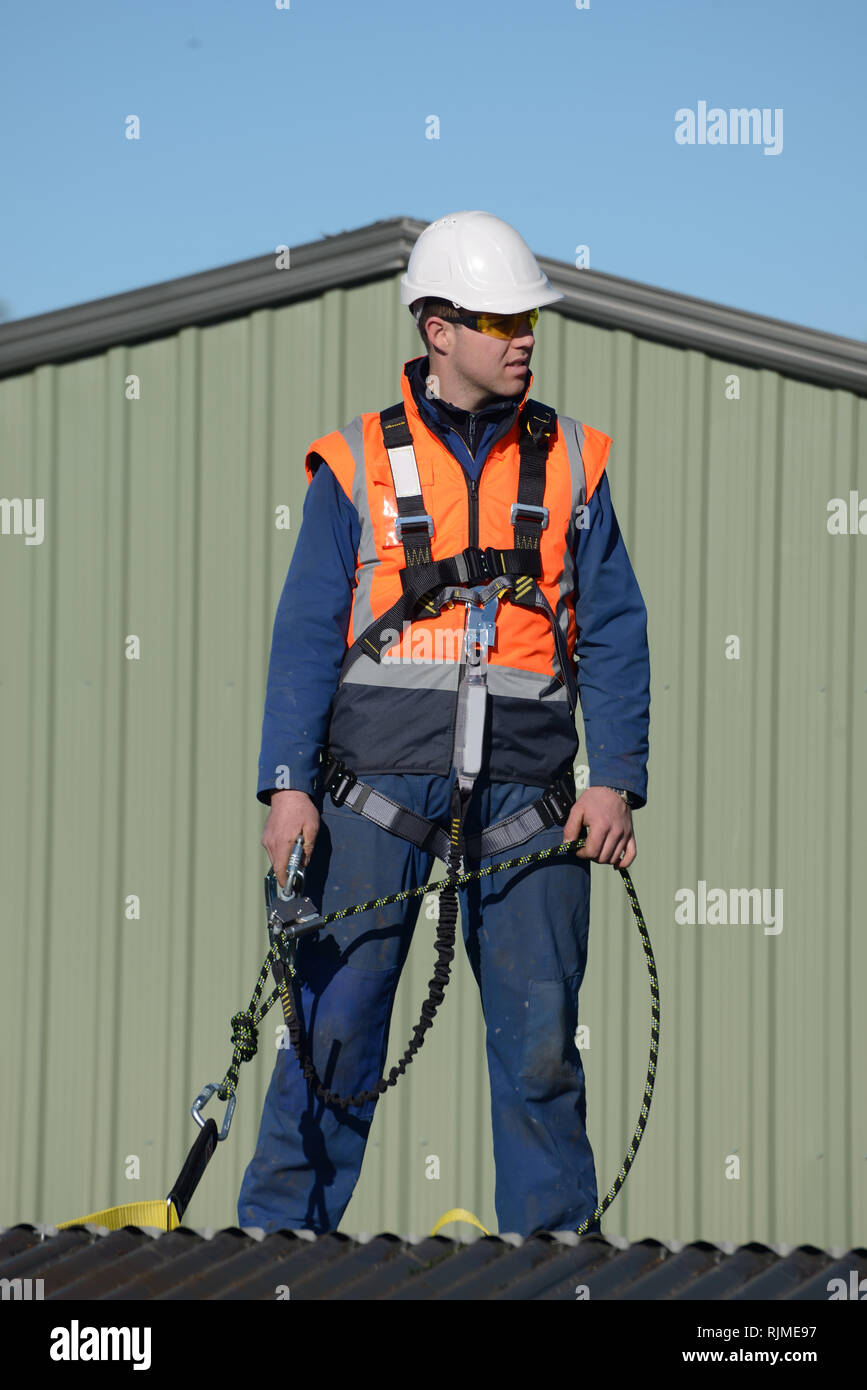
point(137, 777)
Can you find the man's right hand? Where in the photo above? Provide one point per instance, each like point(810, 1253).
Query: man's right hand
point(292, 814)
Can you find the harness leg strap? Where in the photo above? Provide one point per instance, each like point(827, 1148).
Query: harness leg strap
point(552, 808)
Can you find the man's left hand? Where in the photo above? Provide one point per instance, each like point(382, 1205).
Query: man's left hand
point(610, 836)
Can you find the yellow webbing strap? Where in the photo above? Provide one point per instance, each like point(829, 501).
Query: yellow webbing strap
point(158, 1213)
point(458, 1214)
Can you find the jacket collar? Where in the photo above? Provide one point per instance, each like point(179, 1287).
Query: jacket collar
point(435, 412)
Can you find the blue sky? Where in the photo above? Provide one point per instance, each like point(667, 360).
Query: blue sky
point(262, 126)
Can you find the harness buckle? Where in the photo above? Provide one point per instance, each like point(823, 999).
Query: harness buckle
point(476, 564)
point(523, 511)
point(334, 769)
point(411, 523)
point(557, 801)
point(340, 784)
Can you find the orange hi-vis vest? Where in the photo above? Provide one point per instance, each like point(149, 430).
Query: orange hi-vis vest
point(429, 535)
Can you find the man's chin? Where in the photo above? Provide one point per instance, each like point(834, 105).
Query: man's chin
point(514, 381)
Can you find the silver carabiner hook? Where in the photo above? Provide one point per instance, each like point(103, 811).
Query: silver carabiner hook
point(294, 873)
point(202, 1099)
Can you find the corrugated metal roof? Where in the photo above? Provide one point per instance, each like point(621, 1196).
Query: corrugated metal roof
point(381, 248)
point(133, 1264)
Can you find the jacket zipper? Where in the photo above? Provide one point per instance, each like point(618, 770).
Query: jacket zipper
point(472, 486)
point(473, 498)
point(472, 489)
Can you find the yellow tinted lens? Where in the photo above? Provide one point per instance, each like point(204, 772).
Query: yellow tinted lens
point(506, 325)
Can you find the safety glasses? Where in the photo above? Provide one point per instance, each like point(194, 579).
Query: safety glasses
point(500, 325)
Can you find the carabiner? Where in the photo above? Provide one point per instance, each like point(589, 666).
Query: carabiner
point(201, 1101)
point(294, 873)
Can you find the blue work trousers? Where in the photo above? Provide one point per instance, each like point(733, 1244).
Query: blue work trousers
point(525, 932)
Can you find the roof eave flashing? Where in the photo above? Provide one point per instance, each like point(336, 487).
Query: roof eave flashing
point(381, 250)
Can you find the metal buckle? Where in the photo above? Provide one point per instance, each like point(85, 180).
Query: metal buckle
point(476, 562)
point(331, 774)
point(525, 512)
point(400, 522)
point(344, 785)
point(493, 563)
point(557, 803)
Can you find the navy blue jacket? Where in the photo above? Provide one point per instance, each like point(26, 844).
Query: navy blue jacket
point(312, 621)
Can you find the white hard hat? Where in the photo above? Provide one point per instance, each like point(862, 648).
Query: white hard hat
point(479, 263)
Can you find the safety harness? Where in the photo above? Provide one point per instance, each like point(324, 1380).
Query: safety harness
point(474, 576)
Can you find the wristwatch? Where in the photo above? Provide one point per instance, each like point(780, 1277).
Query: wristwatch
point(629, 797)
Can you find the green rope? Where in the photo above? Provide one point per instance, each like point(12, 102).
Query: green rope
point(244, 1024)
point(253, 1015)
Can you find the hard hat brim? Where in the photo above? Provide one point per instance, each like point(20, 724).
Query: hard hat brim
point(515, 301)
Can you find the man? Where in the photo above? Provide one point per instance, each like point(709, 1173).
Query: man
point(466, 512)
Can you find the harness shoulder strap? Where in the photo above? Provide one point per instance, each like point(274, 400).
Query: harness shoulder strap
point(537, 426)
point(414, 525)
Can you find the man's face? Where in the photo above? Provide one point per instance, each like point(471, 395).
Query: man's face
point(484, 364)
